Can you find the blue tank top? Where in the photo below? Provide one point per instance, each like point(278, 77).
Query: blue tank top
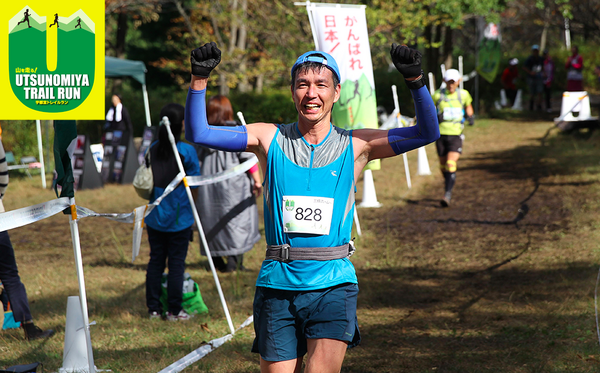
point(296, 168)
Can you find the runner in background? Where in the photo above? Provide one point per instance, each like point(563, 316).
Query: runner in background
point(453, 108)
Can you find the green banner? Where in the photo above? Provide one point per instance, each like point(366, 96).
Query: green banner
point(489, 53)
point(489, 59)
point(357, 108)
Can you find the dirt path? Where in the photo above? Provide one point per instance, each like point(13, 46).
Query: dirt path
point(501, 281)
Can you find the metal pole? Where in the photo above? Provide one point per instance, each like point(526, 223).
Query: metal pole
point(460, 70)
point(312, 25)
point(399, 124)
point(41, 151)
point(476, 93)
point(146, 105)
point(81, 281)
point(431, 84)
point(165, 122)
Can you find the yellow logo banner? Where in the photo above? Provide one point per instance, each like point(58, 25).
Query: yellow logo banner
point(54, 64)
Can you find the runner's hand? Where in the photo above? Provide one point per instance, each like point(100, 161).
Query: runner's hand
point(471, 120)
point(406, 60)
point(205, 59)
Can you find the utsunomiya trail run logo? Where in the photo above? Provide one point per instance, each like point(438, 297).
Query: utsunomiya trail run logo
point(51, 66)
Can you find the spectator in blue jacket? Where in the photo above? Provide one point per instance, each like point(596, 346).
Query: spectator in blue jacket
point(169, 225)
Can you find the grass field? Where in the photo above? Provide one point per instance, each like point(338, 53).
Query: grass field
point(502, 281)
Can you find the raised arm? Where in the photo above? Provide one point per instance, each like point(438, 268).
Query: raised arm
point(197, 129)
point(377, 144)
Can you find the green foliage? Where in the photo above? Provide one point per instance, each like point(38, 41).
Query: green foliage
point(20, 137)
point(273, 106)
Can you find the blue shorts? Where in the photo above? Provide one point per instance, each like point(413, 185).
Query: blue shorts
point(284, 319)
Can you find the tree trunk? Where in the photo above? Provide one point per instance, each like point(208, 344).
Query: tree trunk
point(233, 30)
point(448, 47)
point(223, 87)
point(244, 86)
point(545, 30)
point(260, 81)
point(121, 35)
point(428, 50)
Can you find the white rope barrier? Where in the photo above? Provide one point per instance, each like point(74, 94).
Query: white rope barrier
point(31, 214)
point(202, 351)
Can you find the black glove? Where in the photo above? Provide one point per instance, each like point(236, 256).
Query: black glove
point(408, 63)
point(471, 120)
point(205, 59)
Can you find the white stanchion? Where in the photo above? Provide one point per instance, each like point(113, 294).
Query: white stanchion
point(518, 105)
point(575, 102)
point(503, 100)
point(422, 162)
point(369, 194)
point(75, 354)
point(165, 122)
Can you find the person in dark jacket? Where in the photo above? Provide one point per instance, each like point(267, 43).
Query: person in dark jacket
point(117, 117)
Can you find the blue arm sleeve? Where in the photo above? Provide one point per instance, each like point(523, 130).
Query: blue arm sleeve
point(197, 129)
point(425, 131)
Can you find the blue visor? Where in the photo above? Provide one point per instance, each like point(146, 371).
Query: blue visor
point(318, 57)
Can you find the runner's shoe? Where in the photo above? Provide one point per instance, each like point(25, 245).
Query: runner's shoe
point(155, 315)
point(181, 316)
point(445, 202)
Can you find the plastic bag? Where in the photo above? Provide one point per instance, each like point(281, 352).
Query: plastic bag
point(191, 302)
point(143, 181)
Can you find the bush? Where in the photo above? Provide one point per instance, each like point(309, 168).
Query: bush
point(272, 106)
point(20, 137)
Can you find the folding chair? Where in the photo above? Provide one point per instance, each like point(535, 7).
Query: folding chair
point(11, 162)
point(30, 163)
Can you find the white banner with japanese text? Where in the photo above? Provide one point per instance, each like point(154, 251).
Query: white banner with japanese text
point(341, 30)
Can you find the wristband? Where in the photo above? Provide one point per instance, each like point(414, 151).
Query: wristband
point(417, 83)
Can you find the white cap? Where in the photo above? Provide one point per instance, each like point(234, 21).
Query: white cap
point(452, 74)
point(513, 62)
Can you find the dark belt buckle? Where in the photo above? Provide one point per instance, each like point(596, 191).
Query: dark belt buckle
point(285, 253)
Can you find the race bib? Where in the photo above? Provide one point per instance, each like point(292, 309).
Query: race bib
point(453, 114)
point(303, 214)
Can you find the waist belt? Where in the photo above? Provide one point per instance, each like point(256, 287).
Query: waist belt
point(286, 253)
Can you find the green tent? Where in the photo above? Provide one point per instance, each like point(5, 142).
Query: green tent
point(120, 68)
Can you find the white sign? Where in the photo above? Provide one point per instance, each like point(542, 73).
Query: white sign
point(303, 214)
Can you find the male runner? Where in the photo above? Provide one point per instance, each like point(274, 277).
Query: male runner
point(306, 291)
point(454, 108)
